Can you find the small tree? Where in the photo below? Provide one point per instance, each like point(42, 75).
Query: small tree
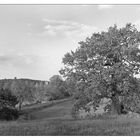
point(57, 88)
point(104, 66)
point(22, 90)
point(7, 105)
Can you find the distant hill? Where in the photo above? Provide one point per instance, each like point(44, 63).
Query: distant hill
point(3, 81)
point(31, 90)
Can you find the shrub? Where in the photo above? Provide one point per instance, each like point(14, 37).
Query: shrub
point(8, 114)
point(8, 102)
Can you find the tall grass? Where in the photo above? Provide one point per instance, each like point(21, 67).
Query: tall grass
point(56, 120)
point(72, 127)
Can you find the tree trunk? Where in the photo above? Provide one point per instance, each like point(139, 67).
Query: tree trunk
point(20, 104)
point(115, 106)
point(19, 108)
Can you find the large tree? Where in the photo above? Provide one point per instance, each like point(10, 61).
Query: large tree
point(105, 66)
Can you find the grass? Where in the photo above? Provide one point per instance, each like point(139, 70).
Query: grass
point(56, 120)
point(57, 109)
point(37, 107)
point(72, 127)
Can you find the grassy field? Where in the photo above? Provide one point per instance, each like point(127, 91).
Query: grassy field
point(56, 120)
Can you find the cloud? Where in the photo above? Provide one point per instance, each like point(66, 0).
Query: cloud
point(103, 7)
point(68, 29)
point(85, 5)
point(22, 66)
point(52, 21)
point(18, 59)
point(29, 24)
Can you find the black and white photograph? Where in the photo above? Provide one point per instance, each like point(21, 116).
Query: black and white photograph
point(70, 69)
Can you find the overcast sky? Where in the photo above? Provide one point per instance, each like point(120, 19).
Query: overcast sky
point(34, 38)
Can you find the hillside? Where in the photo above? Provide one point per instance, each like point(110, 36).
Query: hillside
point(51, 110)
point(6, 83)
point(29, 90)
point(55, 119)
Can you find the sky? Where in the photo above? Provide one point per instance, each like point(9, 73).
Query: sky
point(35, 38)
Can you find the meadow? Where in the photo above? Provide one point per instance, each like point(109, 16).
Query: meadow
point(56, 120)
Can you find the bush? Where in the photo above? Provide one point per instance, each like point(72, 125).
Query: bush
point(8, 102)
point(8, 114)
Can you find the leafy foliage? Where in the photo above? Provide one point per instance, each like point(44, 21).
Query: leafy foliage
point(105, 66)
point(7, 99)
point(57, 88)
point(23, 91)
point(27, 91)
point(7, 105)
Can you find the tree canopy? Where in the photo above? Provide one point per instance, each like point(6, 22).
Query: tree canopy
point(105, 65)
point(22, 90)
point(57, 88)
